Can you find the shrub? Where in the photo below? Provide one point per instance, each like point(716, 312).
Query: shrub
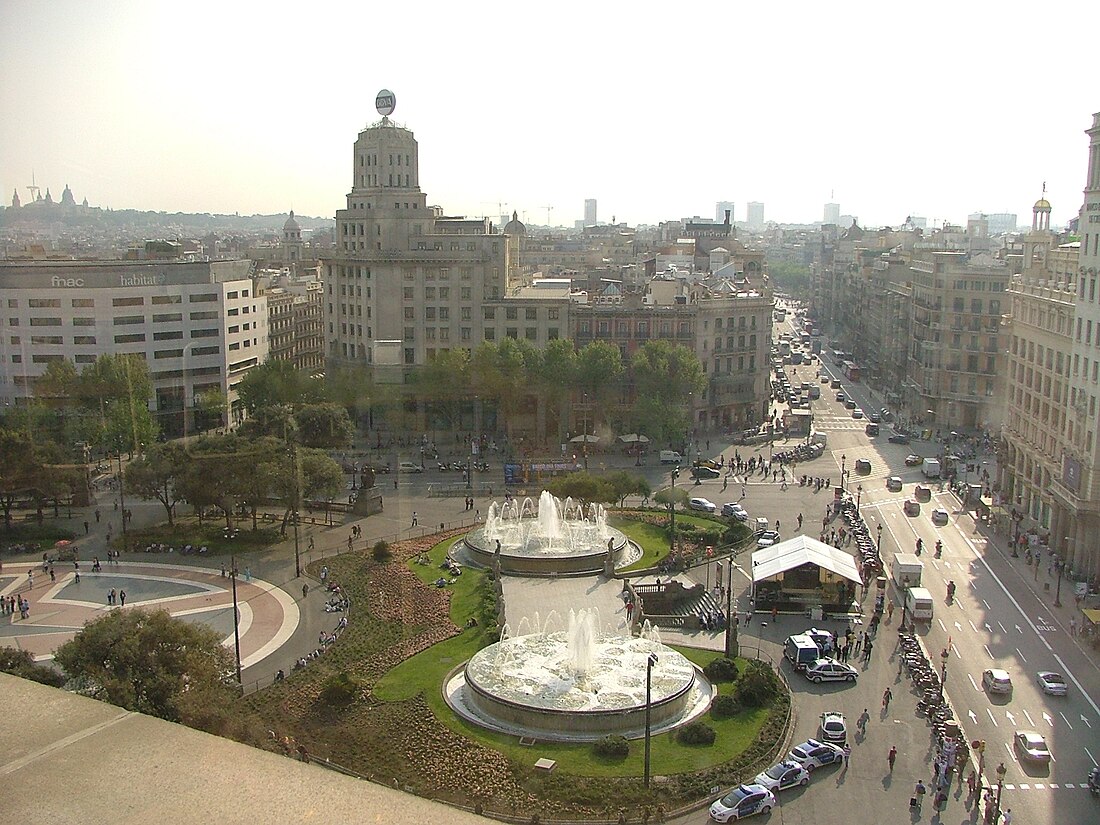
point(21, 663)
point(340, 689)
point(757, 686)
point(612, 747)
point(695, 734)
point(721, 670)
point(381, 551)
point(724, 707)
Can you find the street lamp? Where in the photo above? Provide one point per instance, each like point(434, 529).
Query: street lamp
point(236, 618)
point(859, 496)
point(672, 512)
point(1060, 564)
point(649, 663)
point(993, 815)
point(584, 433)
point(879, 529)
point(944, 656)
point(122, 504)
point(843, 459)
point(732, 644)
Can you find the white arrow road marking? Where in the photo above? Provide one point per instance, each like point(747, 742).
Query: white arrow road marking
point(1018, 628)
point(1086, 721)
point(958, 627)
point(1048, 719)
point(991, 719)
point(975, 684)
point(1064, 719)
point(973, 716)
point(1020, 654)
point(1093, 758)
point(988, 628)
point(1040, 620)
point(1011, 718)
point(986, 648)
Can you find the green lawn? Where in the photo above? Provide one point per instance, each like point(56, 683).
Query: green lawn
point(187, 530)
point(423, 674)
point(31, 533)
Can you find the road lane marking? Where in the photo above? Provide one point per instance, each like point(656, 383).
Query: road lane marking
point(956, 651)
point(987, 607)
point(1064, 719)
point(986, 648)
point(1054, 786)
point(1002, 627)
point(1018, 653)
point(1039, 786)
point(975, 684)
point(1093, 758)
point(1030, 721)
point(1011, 755)
point(1086, 721)
point(1011, 718)
point(1024, 787)
point(942, 625)
point(1010, 787)
point(973, 626)
point(991, 719)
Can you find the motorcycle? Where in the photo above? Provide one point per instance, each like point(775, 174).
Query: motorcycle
point(950, 592)
point(1094, 781)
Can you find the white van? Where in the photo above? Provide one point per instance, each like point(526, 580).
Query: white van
point(918, 600)
point(671, 457)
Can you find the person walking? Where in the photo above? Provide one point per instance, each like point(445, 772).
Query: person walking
point(887, 695)
point(414, 518)
point(918, 795)
point(86, 528)
point(861, 723)
point(892, 757)
point(122, 598)
point(867, 646)
point(847, 754)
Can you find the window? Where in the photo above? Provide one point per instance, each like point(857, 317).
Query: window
point(429, 313)
point(83, 339)
point(167, 353)
point(132, 338)
point(40, 322)
point(444, 313)
point(512, 332)
point(45, 359)
point(203, 298)
point(464, 293)
point(531, 333)
point(128, 302)
point(44, 303)
point(407, 293)
point(532, 314)
point(45, 339)
point(465, 313)
point(510, 313)
point(490, 313)
point(123, 320)
point(206, 350)
point(83, 302)
point(490, 334)
point(232, 294)
point(172, 335)
point(167, 299)
point(168, 317)
point(83, 322)
point(552, 313)
point(444, 293)
point(204, 333)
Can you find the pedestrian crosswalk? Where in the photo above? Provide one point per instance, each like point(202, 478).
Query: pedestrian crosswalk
point(1046, 786)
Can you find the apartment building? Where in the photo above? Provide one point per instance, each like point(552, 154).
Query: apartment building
point(1042, 301)
point(956, 351)
point(198, 324)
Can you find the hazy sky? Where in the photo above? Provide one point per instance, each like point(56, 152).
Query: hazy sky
point(656, 110)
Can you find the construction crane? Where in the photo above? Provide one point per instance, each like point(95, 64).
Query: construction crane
point(547, 208)
point(33, 189)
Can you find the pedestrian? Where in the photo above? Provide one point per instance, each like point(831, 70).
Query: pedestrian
point(775, 613)
point(1073, 626)
point(1006, 817)
point(97, 515)
point(887, 695)
point(248, 574)
point(223, 571)
point(918, 795)
point(305, 590)
point(122, 597)
point(847, 754)
point(858, 644)
point(799, 521)
point(892, 756)
point(937, 768)
point(349, 543)
point(414, 518)
point(889, 611)
point(324, 572)
point(311, 543)
point(30, 579)
point(861, 723)
point(53, 578)
point(86, 528)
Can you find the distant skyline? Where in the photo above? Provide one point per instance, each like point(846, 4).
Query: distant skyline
point(937, 110)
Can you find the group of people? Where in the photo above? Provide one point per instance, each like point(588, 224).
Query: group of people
point(9, 605)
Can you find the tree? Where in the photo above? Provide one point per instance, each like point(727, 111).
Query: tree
point(324, 425)
point(444, 382)
point(21, 663)
point(584, 487)
point(157, 475)
point(277, 382)
point(627, 484)
point(28, 469)
point(665, 376)
point(599, 367)
point(557, 375)
point(149, 662)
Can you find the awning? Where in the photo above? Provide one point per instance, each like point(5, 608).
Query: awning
point(787, 555)
point(1092, 614)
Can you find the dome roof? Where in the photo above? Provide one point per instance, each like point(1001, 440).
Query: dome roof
point(1042, 203)
point(514, 226)
point(291, 224)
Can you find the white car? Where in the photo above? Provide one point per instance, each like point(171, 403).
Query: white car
point(767, 538)
point(782, 775)
point(813, 754)
point(833, 727)
point(734, 510)
point(409, 467)
point(1052, 683)
point(1032, 746)
point(995, 680)
point(830, 670)
point(742, 801)
point(705, 505)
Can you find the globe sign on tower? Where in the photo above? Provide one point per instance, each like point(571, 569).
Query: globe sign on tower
point(385, 102)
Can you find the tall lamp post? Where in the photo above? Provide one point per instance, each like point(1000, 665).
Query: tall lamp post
point(859, 496)
point(944, 656)
point(843, 460)
point(1060, 564)
point(584, 434)
point(122, 504)
point(732, 643)
point(879, 531)
point(236, 619)
point(672, 512)
point(649, 663)
point(993, 815)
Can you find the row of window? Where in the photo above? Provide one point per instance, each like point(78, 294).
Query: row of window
point(125, 301)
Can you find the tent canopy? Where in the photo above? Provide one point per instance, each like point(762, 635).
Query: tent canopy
point(792, 553)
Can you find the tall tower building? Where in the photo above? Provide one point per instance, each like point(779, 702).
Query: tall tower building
point(832, 214)
point(590, 212)
point(720, 211)
point(755, 215)
point(1077, 488)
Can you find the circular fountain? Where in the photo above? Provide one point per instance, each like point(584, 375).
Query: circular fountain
point(576, 684)
point(553, 537)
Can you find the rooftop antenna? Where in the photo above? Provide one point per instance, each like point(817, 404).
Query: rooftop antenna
point(33, 189)
point(548, 208)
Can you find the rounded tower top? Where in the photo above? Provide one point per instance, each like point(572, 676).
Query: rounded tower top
point(1042, 205)
point(291, 225)
point(514, 226)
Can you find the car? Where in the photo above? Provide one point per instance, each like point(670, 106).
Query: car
point(875, 418)
point(857, 413)
point(913, 460)
point(409, 467)
point(701, 504)
point(813, 754)
point(734, 510)
point(940, 517)
point(911, 507)
point(824, 379)
point(742, 801)
point(863, 465)
point(708, 462)
point(833, 727)
point(893, 484)
point(705, 472)
point(1031, 745)
point(836, 385)
point(898, 438)
point(830, 670)
point(767, 538)
point(782, 775)
point(1052, 683)
point(887, 416)
point(995, 680)
point(850, 404)
point(822, 638)
point(841, 397)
